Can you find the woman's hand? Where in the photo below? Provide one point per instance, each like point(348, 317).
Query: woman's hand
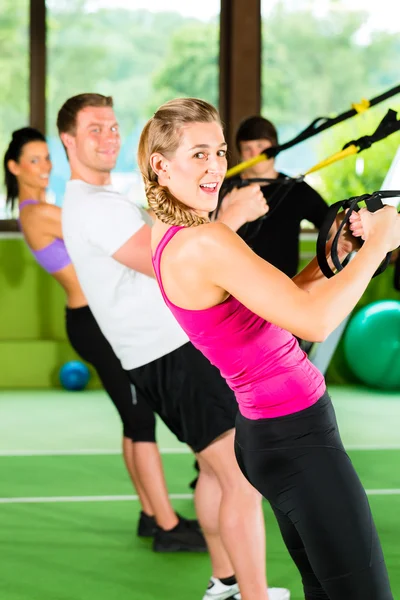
point(348, 241)
point(382, 225)
point(356, 225)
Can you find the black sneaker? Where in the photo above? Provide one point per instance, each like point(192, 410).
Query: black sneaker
point(147, 526)
point(190, 522)
point(183, 538)
point(193, 483)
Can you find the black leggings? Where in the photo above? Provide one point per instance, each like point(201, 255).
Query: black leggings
point(88, 341)
point(298, 463)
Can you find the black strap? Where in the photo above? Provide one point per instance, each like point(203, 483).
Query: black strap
point(350, 206)
point(322, 123)
point(284, 186)
point(230, 184)
point(282, 183)
point(323, 236)
point(386, 127)
point(373, 203)
point(396, 281)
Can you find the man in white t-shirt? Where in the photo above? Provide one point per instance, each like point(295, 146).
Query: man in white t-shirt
point(97, 223)
point(108, 240)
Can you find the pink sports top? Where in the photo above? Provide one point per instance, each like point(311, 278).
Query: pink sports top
point(263, 364)
point(52, 257)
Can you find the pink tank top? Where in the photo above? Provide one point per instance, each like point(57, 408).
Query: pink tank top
point(263, 364)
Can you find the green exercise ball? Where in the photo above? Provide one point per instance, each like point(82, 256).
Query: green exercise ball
point(372, 344)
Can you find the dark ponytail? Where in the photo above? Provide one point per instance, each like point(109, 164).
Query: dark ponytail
point(19, 139)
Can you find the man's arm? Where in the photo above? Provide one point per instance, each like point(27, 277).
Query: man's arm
point(119, 229)
point(242, 205)
point(136, 252)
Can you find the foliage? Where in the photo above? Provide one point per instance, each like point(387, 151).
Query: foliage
point(191, 66)
point(14, 67)
point(315, 66)
point(111, 51)
point(312, 66)
point(341, 180)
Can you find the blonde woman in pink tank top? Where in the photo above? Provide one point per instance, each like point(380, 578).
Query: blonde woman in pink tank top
point(243, 314)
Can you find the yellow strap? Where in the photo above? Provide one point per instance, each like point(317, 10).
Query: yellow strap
point(362, 106)
point(359, 107)
point(334, 158)
point(324, 163)
point(245, 165)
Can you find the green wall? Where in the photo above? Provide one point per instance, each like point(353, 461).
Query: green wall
point(33, 343)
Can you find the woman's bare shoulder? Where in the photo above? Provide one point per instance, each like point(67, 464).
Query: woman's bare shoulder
point(47, 209)
point(43, 211)
point(204, 240)
point(214, 233)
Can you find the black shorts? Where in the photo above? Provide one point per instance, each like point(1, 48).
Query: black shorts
point(189, 394)
point(88, 341)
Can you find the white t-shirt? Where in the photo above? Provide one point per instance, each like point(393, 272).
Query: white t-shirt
point(127, 305)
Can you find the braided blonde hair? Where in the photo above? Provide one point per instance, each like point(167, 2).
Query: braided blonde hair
point(162, 134)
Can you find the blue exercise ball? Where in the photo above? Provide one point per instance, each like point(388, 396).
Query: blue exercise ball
point(372, 344)
point(74, 375)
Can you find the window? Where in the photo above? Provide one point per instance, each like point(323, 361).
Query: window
point(142, 56)
point(318, 59)
point(14, 69)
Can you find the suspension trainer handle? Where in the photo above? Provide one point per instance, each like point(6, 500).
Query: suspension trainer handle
point(373, 203)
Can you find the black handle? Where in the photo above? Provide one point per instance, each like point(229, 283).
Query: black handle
point(373, 203)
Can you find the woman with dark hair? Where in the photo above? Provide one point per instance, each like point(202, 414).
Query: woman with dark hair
point(27, 168)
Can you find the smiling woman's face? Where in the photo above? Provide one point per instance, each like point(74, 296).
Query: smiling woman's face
point(33, 167)
point(195, 172)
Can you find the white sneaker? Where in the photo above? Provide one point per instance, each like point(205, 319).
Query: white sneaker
point(218, 591)
point(274, 594)
point(278, 594)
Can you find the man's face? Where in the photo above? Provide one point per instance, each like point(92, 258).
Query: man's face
point(96, 142)
point(252, 148)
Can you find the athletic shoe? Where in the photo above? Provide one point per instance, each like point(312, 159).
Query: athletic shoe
point(218, 591)
point(190, 522)
point(278, 594)
point(193, 483)
point(147, 526)
point(183, 538)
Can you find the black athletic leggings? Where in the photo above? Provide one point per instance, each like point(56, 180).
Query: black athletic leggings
point(298, 463)
point(88, 341)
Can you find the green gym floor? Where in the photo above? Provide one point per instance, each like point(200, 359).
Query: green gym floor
point(68, 514)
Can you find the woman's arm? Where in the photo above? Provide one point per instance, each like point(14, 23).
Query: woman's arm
point(311, 276)
point(48, 218)
point(230, 264)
